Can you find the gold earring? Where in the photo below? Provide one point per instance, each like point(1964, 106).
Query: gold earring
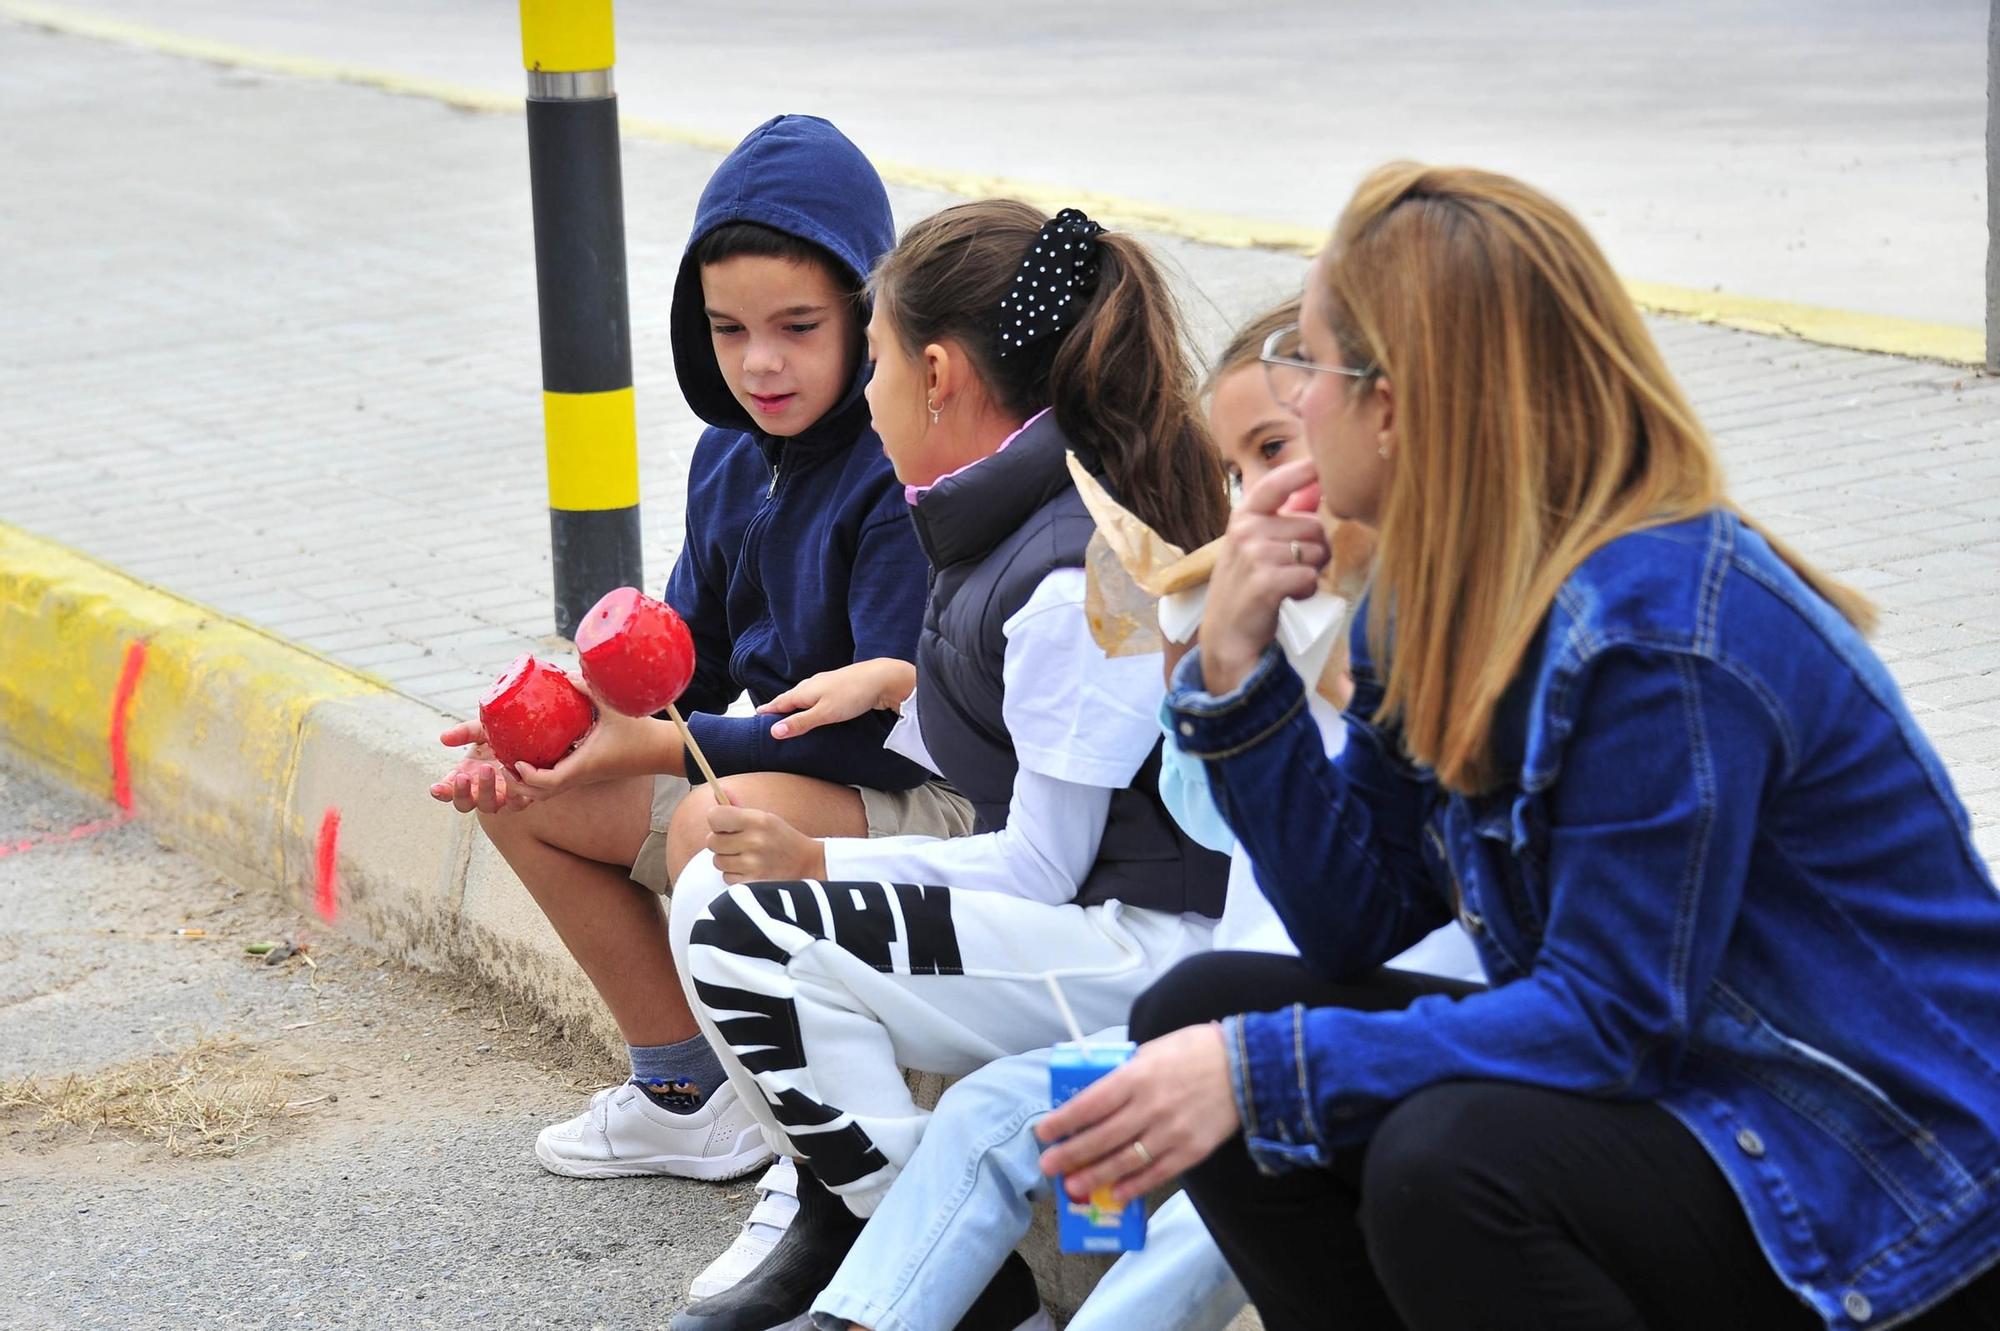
point(935, 411)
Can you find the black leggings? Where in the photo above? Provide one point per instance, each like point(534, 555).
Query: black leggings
point(1483, 1204)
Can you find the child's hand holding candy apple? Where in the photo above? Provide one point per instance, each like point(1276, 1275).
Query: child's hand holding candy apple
point(533, 714)
point(638, 657)
point(539, 735)
point(478, 781)
point(616, 747)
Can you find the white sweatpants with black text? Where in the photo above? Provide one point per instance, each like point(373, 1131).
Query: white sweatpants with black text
point(818, 995)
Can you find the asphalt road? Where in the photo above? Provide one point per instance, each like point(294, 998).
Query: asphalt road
point(397, 1191)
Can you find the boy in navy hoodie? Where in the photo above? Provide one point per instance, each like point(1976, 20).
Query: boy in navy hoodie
point(800, 558)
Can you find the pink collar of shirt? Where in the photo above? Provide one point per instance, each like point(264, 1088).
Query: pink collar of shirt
point(913, 493)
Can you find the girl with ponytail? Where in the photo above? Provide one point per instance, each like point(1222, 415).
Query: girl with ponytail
point(1003, 341)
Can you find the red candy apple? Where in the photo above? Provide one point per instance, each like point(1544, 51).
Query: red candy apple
point(534, 714)
point(637, 653)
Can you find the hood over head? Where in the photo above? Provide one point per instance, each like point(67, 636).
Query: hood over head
point(801, 176)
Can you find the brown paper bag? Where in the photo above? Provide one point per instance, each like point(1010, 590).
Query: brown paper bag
point(1129, 566)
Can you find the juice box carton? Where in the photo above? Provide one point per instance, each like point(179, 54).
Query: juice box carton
point(1099, 1224)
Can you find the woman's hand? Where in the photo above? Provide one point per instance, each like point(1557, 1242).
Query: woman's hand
point(1269, 555)
point(839, 695)
point(1174, 1097)
point(752, 846)
point(478, 782)
point(617, 746)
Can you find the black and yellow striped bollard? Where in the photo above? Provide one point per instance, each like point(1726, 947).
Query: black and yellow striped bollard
point(573, 172)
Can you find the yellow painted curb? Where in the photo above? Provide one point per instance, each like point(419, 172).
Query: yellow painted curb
point(1816, 323)
point(213, 725)
point(1852, 329)
point(239, 743)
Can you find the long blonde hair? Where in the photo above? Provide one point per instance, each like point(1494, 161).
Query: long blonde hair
point(1535, 421)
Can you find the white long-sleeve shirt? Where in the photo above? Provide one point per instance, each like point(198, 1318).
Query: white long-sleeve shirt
point(1082, 725)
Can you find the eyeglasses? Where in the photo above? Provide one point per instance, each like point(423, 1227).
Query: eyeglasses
point(1287, 375)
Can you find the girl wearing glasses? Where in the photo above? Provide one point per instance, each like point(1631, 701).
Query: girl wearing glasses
point(1737, 1063)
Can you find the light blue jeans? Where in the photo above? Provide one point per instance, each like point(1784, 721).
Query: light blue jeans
point(964, 1201)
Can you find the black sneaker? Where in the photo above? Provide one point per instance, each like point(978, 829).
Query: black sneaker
point(1010, 1302)
point(782, 1287)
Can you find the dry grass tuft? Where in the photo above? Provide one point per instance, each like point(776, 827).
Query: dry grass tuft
point(212, 1098)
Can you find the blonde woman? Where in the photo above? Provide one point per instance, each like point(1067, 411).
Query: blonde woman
point(1737, 1064)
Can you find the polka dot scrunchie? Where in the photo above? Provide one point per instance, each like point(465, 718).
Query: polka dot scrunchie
point(1052, 283)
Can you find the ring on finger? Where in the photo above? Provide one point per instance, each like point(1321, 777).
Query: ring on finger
point(1298, 557)
point(1139, 1147)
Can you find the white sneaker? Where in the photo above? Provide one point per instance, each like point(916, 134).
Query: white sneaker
point(777, 1203)
point(624, 1134)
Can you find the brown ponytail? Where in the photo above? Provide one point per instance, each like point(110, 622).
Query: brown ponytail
point(1119, 378)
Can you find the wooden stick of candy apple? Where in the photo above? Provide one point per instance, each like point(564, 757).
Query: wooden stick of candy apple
point(639, 656)
point(700, 758)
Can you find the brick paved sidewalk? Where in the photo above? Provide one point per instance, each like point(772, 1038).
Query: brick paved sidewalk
point(271, 345)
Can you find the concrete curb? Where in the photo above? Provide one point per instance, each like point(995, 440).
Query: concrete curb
point(238, 743)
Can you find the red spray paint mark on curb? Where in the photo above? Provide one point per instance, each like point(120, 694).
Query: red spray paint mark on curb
point(121, 712)
point(121, 764)
point(326, 885)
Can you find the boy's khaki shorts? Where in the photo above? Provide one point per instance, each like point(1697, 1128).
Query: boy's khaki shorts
point(930, 810)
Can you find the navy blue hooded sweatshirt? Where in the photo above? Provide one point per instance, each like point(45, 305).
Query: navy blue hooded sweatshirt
point(800, 553)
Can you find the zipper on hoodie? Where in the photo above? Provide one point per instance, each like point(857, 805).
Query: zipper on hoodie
point(753, 539)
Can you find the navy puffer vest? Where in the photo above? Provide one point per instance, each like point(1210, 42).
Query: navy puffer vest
point(993, 533)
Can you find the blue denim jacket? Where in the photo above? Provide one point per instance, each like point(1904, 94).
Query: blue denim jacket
point(1727, 873)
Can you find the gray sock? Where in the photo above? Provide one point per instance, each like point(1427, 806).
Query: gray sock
point(678, 1077)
